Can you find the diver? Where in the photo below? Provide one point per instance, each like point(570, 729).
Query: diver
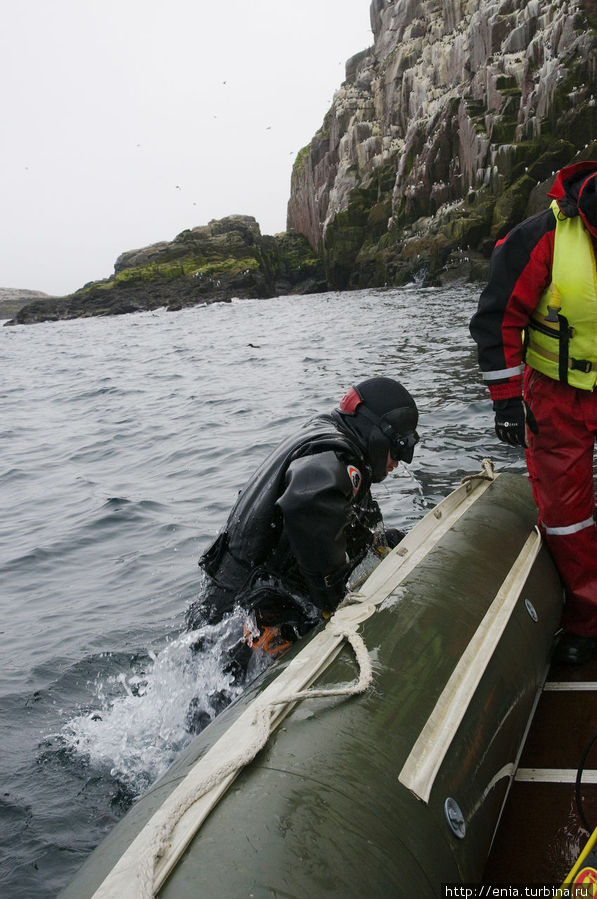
point(304, 521)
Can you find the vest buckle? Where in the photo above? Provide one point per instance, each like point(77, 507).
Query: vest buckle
point(584, 365)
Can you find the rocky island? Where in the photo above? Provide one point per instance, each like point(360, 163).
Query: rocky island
point(13, 299)
point(444, 134)
point(228, 258)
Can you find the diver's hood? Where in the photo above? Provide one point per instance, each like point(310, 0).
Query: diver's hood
point(382, 415)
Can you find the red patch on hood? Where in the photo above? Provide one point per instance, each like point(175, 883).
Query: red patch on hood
point(350, 401)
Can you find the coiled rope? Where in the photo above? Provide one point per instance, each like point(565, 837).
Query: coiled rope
point(260, 731)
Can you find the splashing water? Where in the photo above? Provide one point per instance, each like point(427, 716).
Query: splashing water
point(136, 733)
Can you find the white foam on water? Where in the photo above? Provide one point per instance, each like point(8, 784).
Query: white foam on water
point(141, 721)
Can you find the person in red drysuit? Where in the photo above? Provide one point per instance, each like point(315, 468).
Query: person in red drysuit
point(536, 332)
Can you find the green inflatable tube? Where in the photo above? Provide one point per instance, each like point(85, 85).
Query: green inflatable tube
point(392, 782)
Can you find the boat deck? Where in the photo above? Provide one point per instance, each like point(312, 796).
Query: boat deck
point(541, 832)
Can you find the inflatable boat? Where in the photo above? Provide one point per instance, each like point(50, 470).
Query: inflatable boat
point(375, 757)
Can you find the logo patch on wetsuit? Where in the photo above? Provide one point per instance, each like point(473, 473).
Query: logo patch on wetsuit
point(355, 477)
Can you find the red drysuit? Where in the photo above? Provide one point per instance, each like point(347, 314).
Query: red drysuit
point(560, 456)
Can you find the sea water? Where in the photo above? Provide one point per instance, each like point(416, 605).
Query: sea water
point(125, 441)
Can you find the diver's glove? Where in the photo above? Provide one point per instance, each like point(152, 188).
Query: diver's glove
point(385, 541)
point(326, 591)
point(393, 536)
point(512, 417)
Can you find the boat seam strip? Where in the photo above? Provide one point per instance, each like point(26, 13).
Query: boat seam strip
point(422, 765)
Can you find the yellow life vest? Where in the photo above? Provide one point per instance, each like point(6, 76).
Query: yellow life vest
point(561, 339)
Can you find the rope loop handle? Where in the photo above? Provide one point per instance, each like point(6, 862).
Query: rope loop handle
point(487, 473)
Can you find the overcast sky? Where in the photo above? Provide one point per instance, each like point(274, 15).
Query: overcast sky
point(127, 121)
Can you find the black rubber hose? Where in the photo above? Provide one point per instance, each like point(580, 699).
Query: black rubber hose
point(578, 783)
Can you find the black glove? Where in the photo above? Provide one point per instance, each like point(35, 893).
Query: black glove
point(394, 536)
point(512, 417)
point(326, 591)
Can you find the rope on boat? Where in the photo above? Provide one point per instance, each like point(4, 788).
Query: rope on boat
point(487, 473)
point(261, 730)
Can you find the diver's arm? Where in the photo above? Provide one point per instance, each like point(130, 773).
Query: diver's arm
point(315, 507)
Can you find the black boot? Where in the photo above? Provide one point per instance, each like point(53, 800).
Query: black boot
point(573, 649)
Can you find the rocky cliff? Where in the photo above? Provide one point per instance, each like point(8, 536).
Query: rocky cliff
point(225, 259)
point(444, 134)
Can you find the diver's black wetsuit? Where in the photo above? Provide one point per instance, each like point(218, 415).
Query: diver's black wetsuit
point(299, 527)
point(301, 524)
